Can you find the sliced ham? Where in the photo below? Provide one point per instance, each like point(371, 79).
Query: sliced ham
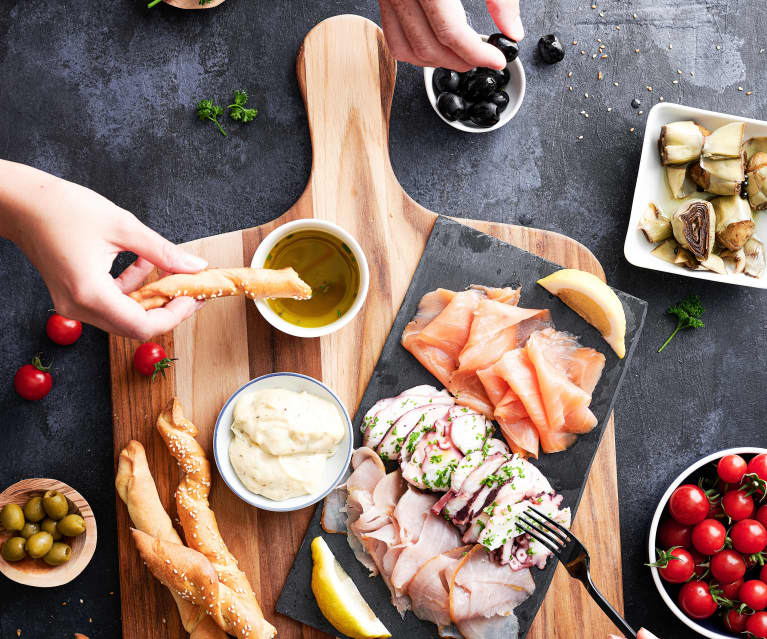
point(429, 589)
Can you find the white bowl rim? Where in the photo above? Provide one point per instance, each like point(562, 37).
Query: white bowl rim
point(688, 621)
point(506, 117)
point(274, 236)
point(263, 502)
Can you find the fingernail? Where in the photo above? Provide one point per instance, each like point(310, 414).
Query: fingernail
point(192, 262)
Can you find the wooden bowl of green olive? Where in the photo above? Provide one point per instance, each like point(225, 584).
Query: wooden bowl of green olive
point(47, 533)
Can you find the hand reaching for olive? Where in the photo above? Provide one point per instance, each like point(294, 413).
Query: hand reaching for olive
point(72, 236)
point(435, 33)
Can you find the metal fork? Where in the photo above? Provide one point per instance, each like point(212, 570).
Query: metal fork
point(574, 557)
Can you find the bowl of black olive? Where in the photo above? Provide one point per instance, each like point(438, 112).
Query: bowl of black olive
point(481, 99)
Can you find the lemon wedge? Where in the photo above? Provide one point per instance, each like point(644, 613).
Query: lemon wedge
point(338, 597)
point(594, 301)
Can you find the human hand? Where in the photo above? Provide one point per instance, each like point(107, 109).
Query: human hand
point(434, 33)
point(72, 236)
point(642, 634)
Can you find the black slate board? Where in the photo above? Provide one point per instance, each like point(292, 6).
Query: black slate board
point(455, 257)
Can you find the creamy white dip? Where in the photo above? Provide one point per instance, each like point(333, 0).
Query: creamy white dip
point(281, 441)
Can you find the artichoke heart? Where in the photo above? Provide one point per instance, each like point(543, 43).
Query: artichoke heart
point(736, 258)
point(722, 177)
point(757, 180)
point(725, 142)
point(679, 183)
point(655, 225)
point(693, 225)
point(734, 222)
point(714, 263)
point(753, 146)
point(755, 263)
point(666, 251)
point(681, 142)
point(685, 258)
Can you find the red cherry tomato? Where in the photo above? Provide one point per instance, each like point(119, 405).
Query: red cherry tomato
point(150, 359)
point(688, 504)
point(33, 381)
point(753, 593)
point(761, 515)
point(727, 566)
point(734, 620)
point(676, 565)
point(738, 504)
point(730, 591)
point(763, 574)
point(696, 600)
point(708, 536)
point(731, 469)
point(757, 625)
point(758, 466)
point(671, 533)
point(63, 331)
point(748, 536)
point(701, 562)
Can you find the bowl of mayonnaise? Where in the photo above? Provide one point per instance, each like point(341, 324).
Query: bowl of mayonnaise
point(283, 441)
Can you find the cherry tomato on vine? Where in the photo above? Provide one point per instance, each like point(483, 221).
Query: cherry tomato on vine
point(748, 536)
point(33, 381)
point(150, 358)
point(671, 533)
point(63, 331)
point(675, 566)
point(763, 574)
point(701, 563)
point(758, 466)
point(696, 600)
point(761, 515)
point(708, 536)
point(688, 504)
point(730, 591)
point(731, 469)
point(757, 625)
point(753, 593)
point(734, 620)
point(727, 566)
point(738, 504)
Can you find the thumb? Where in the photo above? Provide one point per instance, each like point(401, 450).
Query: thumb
point(505, 14)
point(153, 247)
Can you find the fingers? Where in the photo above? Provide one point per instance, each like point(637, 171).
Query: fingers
point(422, 40)
point(133, 276)
point(395, 36)
point(143, 241)
point(505, 14)
point(448, 23)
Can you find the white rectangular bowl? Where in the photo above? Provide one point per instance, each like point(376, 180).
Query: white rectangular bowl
point(652, 186)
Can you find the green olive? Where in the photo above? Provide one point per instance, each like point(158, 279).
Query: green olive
point(58, 554)
point(55, 504)
point(39, 544)
point(33, 509)
point(13, 549)
point(50, 526)
point(29, 530)
point(71, 526)
point(12, 517)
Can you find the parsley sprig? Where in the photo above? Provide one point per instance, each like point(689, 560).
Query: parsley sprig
point(238, 111)
point(688, 313)
point(206, 110)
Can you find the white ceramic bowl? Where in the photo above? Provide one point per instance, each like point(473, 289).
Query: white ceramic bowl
point(703, 627)
point(259, 257)
point(652, 186)
point(335, 467)
point(515, 88)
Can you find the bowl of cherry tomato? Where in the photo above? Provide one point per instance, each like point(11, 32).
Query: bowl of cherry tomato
point(707, 546)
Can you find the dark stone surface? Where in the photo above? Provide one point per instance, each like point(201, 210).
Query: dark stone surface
point(103, 95)
point(480, 256)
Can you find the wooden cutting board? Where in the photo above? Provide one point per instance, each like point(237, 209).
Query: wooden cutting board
point(347, 77)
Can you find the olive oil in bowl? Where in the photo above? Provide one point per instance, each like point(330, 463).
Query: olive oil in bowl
point(324, 262)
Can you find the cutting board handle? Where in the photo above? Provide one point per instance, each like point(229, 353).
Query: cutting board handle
point(346, 75)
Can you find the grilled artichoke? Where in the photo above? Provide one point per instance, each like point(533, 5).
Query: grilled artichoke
point(726, 142)
point(722, 177)
point(693, 225)
point(757, 181)
point(681, 142)
point(734, 222)
point(655, 225)
point(755, 263)
point(679, 183)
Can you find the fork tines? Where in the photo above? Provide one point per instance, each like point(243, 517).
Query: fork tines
point(544, 529)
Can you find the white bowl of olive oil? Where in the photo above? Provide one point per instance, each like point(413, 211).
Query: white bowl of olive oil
point(327, 258)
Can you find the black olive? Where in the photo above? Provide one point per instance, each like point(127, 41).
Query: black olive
point(506, 77)
point(744, 188)
point(509, 48)
point(550, 49)
point(484, 114)
point(451, 106)
point(480, 87)
point(445, 80)
point(501, 100)
point(636, 103)
point(493, 73)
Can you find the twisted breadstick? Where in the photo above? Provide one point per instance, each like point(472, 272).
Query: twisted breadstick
point(255, 283)
point(137, 489)
point(197, 519)
point(188, 574)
